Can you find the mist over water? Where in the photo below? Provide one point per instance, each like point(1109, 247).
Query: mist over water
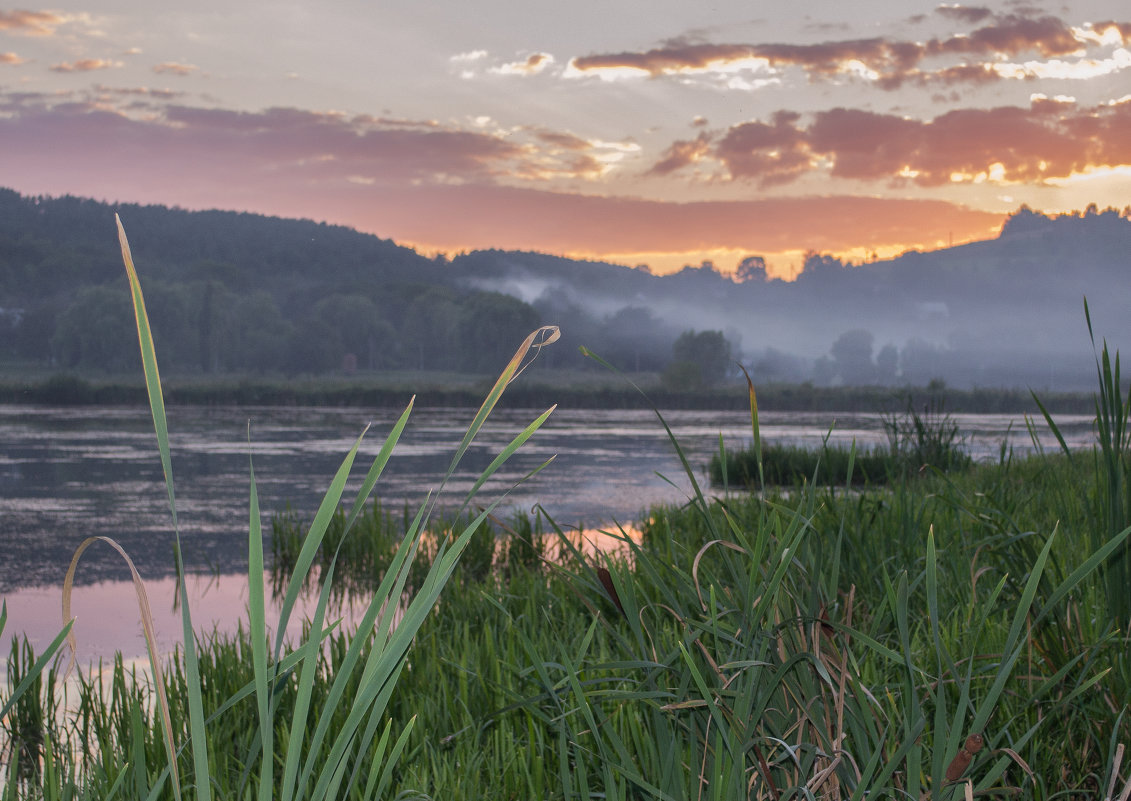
point(1005, 312)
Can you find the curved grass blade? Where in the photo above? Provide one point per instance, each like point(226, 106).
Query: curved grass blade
point(150, 642)
point(536, 340)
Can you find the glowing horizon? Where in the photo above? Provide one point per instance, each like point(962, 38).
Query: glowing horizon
point(686, 137)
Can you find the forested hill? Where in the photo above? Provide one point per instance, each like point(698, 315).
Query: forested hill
point(71, 242)
point(243, 293)
point(228, 292)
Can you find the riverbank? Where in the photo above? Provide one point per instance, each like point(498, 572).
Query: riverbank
point(685, 665)
point(567, 389)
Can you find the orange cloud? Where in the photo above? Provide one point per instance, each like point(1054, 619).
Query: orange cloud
point(1123, 28)
point(532, 65)
point(85, 65)
point(584, 225)
point(30, 23)
point(173, 68)
point(1048, 36)
point(10, 58)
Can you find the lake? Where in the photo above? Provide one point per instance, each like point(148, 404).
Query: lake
point(70, 473)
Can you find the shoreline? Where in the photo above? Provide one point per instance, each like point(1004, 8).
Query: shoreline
point(464, 391)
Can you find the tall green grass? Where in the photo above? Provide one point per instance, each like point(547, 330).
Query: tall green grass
point(343, 746)
point(1112, 465)
point(890, 606)
point(502, 544)
point(751, 663)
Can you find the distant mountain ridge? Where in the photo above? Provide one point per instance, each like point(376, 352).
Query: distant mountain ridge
point(300, 296)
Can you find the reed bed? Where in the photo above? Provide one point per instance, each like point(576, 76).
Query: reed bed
point(919, 440)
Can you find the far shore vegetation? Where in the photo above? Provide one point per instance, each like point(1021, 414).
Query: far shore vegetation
point(569, 389)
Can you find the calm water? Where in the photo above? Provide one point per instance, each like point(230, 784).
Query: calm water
point(70, 473)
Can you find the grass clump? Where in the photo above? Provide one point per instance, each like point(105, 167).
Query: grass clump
point(925, 440)
point(918, 441)
point(794, 465)
point(500, 546)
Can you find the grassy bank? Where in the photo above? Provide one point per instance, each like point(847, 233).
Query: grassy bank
point(847, 643)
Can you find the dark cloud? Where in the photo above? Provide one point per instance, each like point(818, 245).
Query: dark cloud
point(312, 148)
point(563, 140)
point(673, 58)
point(830, 58)
point(680, 154)
point(964, 74)
point(969, 14)
point(1015, 34)
point(334, 145)
point(773, 153)
point(1050, 139)
point(864, 144)
point(893, 62)
point(139, 91)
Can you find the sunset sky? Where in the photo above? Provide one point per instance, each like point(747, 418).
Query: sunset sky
point(664, 133)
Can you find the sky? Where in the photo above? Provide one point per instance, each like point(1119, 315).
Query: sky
point(656, 133)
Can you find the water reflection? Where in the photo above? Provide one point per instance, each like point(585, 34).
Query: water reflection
point(107, 618)
point(70, 473)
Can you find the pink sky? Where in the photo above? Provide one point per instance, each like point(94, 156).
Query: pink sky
point(694, 134)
